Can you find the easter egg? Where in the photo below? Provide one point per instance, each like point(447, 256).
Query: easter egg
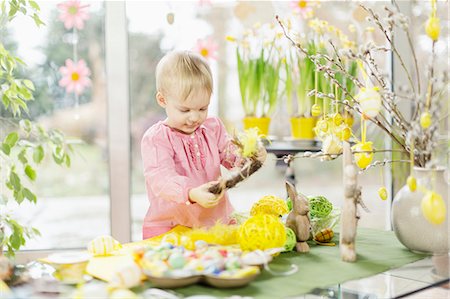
point(382, 193)
point(412, 183)
point(324, 235)
point(369, 100)
point(316, 110)
point(433, 208)
point(433, 28)
point(345, 134)
point(337, 119)
point(425, 120)
point(103, 245)
point(363, 159)
point(127, 277)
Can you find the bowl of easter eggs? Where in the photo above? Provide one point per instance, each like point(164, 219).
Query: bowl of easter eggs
point(169, 266)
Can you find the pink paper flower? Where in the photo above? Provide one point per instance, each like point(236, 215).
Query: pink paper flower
point(303, 7)
point(204, 2)
point(73, 14)
point(207, 48)
point(75, 76)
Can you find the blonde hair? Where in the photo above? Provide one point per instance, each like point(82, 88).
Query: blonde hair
point(180, 73)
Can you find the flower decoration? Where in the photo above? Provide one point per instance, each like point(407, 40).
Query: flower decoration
point(207, 48)
point(204, 2)
point(302, 7)
point(73, 14)
point(75, 76)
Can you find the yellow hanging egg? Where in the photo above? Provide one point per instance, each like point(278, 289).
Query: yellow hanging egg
point(433, 208)
point(345, 133)
point(412, 183)
point(433, 28)
point(382, 193)
point(103, 245)
point(337, 119)
point(348, 120)
point(363, 159)
point(261, 232)
point(369, 100)
point(425, 120)
point(322, 125)
point(316, 110)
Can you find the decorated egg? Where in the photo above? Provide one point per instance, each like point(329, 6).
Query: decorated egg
point(412, 183)
point(127, 277)
point(433, 28)
point(316, 110)
point(363, 159)
point(433, 208)
point(382, 193)
point(103, 245)
point(425, 120)
point(324, 236)
point(369, 100)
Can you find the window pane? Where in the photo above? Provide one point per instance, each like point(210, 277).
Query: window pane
point(73, 203)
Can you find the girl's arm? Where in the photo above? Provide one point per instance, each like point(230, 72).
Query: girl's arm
point(227, 150)
point(159, 171)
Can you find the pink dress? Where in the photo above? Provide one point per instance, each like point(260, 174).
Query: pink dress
point(173, 164)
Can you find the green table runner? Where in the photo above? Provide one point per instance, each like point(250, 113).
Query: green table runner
point(377, 251)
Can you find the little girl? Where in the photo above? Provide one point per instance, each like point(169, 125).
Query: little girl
point(182, 154)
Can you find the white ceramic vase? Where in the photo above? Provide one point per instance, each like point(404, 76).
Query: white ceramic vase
point(409, 224)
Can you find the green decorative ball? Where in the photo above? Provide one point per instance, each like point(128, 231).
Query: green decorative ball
point(289, 203)
point(291, 240)
point(319, 206)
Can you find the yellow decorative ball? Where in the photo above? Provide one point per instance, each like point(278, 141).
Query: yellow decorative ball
point(261, 232)
point(425, 120)
point(363, 159)
point(316, 110)
point(412, 183)
point(433, 28)
point(270, 205)
point(433, 208)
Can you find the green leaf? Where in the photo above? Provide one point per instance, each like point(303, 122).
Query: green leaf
point(30, 172)
point(11, 139)
point(6, 149)
point(18, 196)
point(38, 154)
point(25, 125)
point(15, 180)
point(28, 84)
point(22, 156)
point(34, 5)
point(67, 160)
point(29, 195)
point(16, 239)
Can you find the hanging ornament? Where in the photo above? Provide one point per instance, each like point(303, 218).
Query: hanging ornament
point(73, 14)
point(425, 120)
point(75, 76)
point(369, 100)
point(433, 208)
point(207, 48)
point(345, 133)
point(170, 17)
point(382, 193)
point(363, 159)
point(432, 26)
point(412, 183)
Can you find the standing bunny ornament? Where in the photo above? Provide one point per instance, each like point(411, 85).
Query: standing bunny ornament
point(298, 219)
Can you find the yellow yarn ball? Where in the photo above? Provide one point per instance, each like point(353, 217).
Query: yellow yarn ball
point(261, 232)
point(270, 205)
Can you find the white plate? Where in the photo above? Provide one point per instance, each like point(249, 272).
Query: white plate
point(71, 257)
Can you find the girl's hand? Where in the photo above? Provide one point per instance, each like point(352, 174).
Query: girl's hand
point(204, 198)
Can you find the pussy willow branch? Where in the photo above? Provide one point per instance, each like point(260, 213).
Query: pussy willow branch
point(393, 47)
point(411, 47)
point(430, 91)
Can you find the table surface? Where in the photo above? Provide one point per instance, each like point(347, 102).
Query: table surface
point(411, 281)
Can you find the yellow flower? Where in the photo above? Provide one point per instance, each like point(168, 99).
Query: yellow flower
point(433, 28)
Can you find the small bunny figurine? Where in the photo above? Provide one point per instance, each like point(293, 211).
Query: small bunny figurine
point(298, 219)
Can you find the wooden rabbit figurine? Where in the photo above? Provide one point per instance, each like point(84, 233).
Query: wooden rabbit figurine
point(298, 219)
